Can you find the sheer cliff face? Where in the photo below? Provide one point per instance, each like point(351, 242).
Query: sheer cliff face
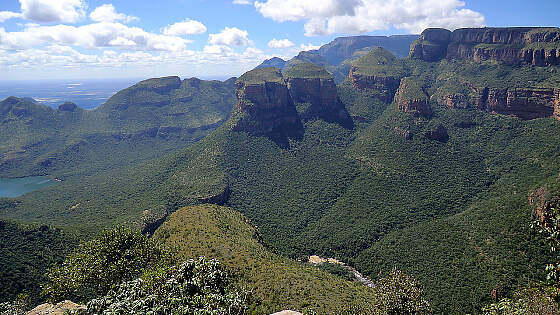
point(537, 46)
point(411, 97)
point(321, 94)
point(266, 106)
point(267, 101)
point(378, 71)
point(524, 103)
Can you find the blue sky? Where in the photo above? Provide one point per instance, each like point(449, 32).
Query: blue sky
point(55, 39)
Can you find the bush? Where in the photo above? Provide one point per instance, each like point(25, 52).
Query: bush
point(192, 287)
point(95, 267)
point(403, 295)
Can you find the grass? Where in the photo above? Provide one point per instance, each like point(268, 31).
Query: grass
point(261, 75)
point(379, 62)
point(277, 283)
point(307, 71)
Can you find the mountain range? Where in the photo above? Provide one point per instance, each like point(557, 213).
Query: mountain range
point(429, 164)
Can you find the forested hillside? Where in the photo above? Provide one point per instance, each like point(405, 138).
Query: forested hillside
point(426, 165)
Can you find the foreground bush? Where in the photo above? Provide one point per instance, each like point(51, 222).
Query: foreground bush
point(192, 287)
point(95, 267)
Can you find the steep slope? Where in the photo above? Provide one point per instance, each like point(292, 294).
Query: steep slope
point(38, 140)
point(441, 194)
point(539, 46)
point(20, 247)
point(276, 282)
point(96, 153)
point(353, 193)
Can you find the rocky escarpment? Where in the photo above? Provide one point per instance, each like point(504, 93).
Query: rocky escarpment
point(511, 45)
point(378, 72)
point(411, 97)
point(266, 106)
point(313, 85)
point(524, 103)
point(274, 105)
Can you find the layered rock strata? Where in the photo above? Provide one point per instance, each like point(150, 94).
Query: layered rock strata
point(512, 45)
point(411, 97)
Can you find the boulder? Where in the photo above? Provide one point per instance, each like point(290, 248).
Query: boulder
point(55, 309)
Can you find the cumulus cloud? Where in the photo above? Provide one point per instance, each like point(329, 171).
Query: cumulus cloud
point(217, 49)
point(280, 43)
point(230, 36)
point(187, 27)
point(107, 13)
point(241, 2)
point(359, 16)
point(91, 36)
point(69, 11)
point(6, 15)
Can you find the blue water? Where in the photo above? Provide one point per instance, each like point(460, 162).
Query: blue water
point(15, 187)
point(87, 93)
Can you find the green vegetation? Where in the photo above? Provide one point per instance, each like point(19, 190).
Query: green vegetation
point(307, 71)
point(412, 88)
point(526, 301)
point(96, 266)
point(276, 282)
point(453, 214)
point(191, 287)
point(379, 62)
point(261, 75)
point(27, 252)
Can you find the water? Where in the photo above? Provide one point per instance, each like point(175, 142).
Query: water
point(15, 187)
point(87, 93)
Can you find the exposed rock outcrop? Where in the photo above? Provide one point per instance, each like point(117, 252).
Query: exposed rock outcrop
point(511, 45)
point(524, 103)
point(378, 72)
point(438, 133)
point(308, 83)
point(266, 106)
point(55, 309)
point(411, 97)
point(432, 44)
point(267, 101)
point(404, 133)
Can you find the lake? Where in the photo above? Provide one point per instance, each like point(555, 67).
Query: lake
point(15, 187)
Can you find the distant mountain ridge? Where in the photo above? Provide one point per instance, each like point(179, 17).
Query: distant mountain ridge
point(332, 55)
point(539, 46)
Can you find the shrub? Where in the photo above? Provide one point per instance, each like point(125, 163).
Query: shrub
point(402, 295)
point(192, 287)
point(95, 267)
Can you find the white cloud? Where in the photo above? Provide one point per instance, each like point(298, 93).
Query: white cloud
point(309, 46)
point(69, 11)
point(359, 16)
point(6, 15)
point(230, 36)
point(280, 43)
point(91, 36)
point(107, 13)
point(217, 49)
point(187, 27)
point(241, 2)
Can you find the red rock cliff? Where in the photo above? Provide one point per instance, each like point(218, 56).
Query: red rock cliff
point(537, 46)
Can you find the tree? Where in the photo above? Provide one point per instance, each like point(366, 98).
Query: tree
point(96, 266)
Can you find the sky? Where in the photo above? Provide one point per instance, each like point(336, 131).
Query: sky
point(77, 39)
